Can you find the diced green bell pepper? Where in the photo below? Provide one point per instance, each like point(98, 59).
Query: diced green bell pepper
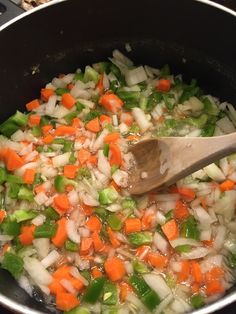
point(185, 248)
point(47, 230)
point(79, 310)
point(23, 215)
point(36, 131)
point(70, 116)
point(79, 76)
point(106, 148)
point(50, 213)
point(3, 175)
point(90, 74)
point(210, 107)
point(208, 130)
point(79, 106)
point(197, 301)
point(14, 189)
point(110, 293)
point(101, 212)
point(114, 222)
point(108, 196)
point(60, 91)
point(13, 263)
point(140, 267)
point(10, 227)
point(25, 194)
point(11, 178)
point(60, 183)
point(189, 228)
point(71, 246)
point(140, 238)
point(94, 290)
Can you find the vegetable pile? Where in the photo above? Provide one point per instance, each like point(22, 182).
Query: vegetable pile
point(68, 226)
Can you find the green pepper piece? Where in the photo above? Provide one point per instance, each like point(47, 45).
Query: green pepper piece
point(103, 67)
point(232, 260)
point(50, 213)
point(94, 290)
point(143, 103)
point(210, 107)
point(197, 301)
point(10, 227)
point(128, 96)
point(36, 131)
point(3, 175)
point(199, 122)
point(110, 294)
point(11, 178)
point(189, 228)
point(60, 91)
point(208, 130)
point(114, 85)
point(70, 116)
point(46, 230)
point(79, 76)
point(79, 106)
point(72, 159)
point(148, 297)
point(169, 215)
point(165, 71)
point(83, 173)
point(23, 215)
point(108, 196)
point(68, 146)
point(140, 238)
point(114, 222)
point(13, 190)
point(25, 194)
point(90, 74)
point(86, 274)
point(79, 310)
point(37, 179)
point(13, 263)
point(101, 212)
point(8, 128)
point(129, 203)
point(44, 121)
point(71, 246)
point(185, 248)
point(140, 267)
point(2, 200)
point(61, 182)
point(92, 115)
point(106, 148)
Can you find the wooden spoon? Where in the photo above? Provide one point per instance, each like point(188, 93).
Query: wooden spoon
point(163, 161)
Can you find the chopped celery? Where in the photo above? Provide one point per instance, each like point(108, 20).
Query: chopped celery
point(44, 121)
point(60, 183)
point(68, 146)
point(128, 96)
point(19, 118)
point(94, 290)
point(70, 116)
point(46, 230)
point(114, 85)
point(208, 130)
point(90, 74)
point(185, 248)
point(108, 196)
point(114, 222)
point(8, 128)
point(143, 102)
point(51, 213)
point(189, 91)
point(13, 263)
point(170, 280)
point(3, 175)
point(79, 310)
point(116, 71)
point(189, 228)
point(13, 190)
point(140, 238)
point(86, 274)
point(199, 122)
point(101, 212)
point(72, 159)
point(92, 115)
point(106, 148)
point(83, 172)
point(10, 227)
point(25, 194)
point(129, 203)
point(110, 293)
point(11, 178)
point(23, 215)
point(2, 200)
point(79, 106)
point(79, 76)
point(140, 267)
point(60, 91)
point(71, 246)
point(169, 101)
point(210, 107)
point(197, 301)
point(36, 131)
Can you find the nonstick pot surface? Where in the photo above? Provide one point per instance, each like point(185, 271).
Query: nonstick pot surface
point(192, 37)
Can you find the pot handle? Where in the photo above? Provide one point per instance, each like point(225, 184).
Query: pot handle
point(8, 10)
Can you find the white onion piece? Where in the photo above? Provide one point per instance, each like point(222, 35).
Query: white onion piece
point(202, 216)
point(103, 164)
point(100, 140)
point(59, 112)
point(128, 267)
point(184, 241)
point(225, 205)
point(158, 284)
point(196, 253)
point(73, 197)
point(18, 136)
point(42, 246)
point(160, 243)
point(180, 306)
point(164, 303)
point(141, 119)
point(41, 198)
point(135, 76)
point(5, 237)
point(68, 286)
point(61, 160)
point(122, 58)
point(214, 172)
point(121, 178)
point(88, 199)
point(72, 231)
point(51, 104)
point(167, 197)
point(39, 220)
point(25, 284)
point(114, 207)
point(219, 238)
point(30, 165)
point(160, 218)
point(205, 235)
point(50, 259)
point(37, 271)
point(224, 165)
point(225, 125)
point(210, 262)
point(75, 273)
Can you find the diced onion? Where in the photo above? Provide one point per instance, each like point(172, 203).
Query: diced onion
point(141, 119)
point(196, 253)
point(72, 232)
point(37, 271)
point(135, 76)
point(158, 284)
point(61, 160)
point(184, 241)
point(160, 243)
point(50, 259)
point(214, 172)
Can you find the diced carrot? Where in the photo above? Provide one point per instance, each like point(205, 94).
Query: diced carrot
point(203, 202)
point(34, 119)
point(185, 271)
point(132, 225)
point(181, 210)
point(55, 287)
point(28, 176)
point(66, 301)
point(208, 242)
point(100, 86)
point(214, 274)
point(132, 138)
point(88, 210)
point(62, 202)
point(96, 272)
point(97, 242)
point(93, 160)
point(157, 260)
point(196, 272)
point(112, 137)
point(147, 221)
point(85, 245)
point(94, 224)
point(48, 139)
point(115, 186)
point(114, 268)
point(125, 289)
point(187, 193)
point(83, 155)
point(39, 188)
point(76, 122)
point(3, 215)
point(93, 125)
point(46, 129)
point(26, 236)
point(227, 185)
point(13, 160)
point(163, 85)
point(32, 105)
point(61, 234)
point(170, 229)
point(69, 188)
point(111, 102)
point(46, 93)
point(70, 86)
point(69, 171)
point(161, 119)
point(115, 155)
point(173, 189)
point(112, 237)
point(104, 119)
point(195, 287)
point(127, 118)
point(214, 287)
point(140, 251)
point(63, 130)
point(77, 284)
point(68, 101)
point(62, 272)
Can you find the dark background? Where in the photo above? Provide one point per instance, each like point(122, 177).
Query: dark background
point(230, 309)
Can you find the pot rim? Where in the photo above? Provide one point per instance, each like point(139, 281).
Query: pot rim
point(20, 308)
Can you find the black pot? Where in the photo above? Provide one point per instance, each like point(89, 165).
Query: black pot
point(196, 38)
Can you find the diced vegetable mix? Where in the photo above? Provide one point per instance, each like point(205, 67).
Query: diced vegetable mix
point(67, 222)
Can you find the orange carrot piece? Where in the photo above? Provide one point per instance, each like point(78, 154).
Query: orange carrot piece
point(227, 185)
point(46, 129)
point(85, 245)
point(61, 234)
point(112, 237)
point(96, 272)
point(132, 225)
point(195, 287)
point(100, 86)
point(97, 242)
point(187, 193)
point(214, 287)
point(196, 272)
point(66, 301)
point(55, 287)
point(94, 224)
point(62, 272)
point(125, 289)
point(28, 177)
point(63, 130)
point(3, 215)
point(68, 101)
point(34, 119)
point(48, 139)
point(114, 268)
point(185, 271)
point(112, 137)
point(163, 85)
point(141, 249)
point(215, 273)
point(26, 236)
point(76, 122)
point(13, 160)
point(127, 118)
point(62, 202)
point(83, 155)
point(69, 171)
point(77, 284)
point(132, 138)
point(93, 125)
point(157, 260)
point(46, 93)
point(111, 102)
point(115, 155)
point(39, 188)
point(170, 229)
point(32, 105)
point(88, 210)
point(104, 119)
point(147, 221)
point(70, 86)
point(181, 210)
point(93, 160)
point(115, 186)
